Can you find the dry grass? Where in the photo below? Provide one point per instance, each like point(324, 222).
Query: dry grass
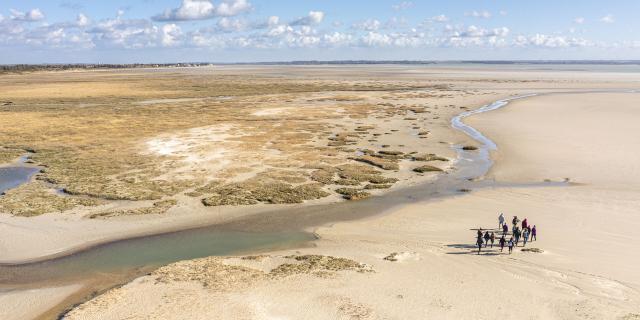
point(378, 162)
point(427, 168)
point(315, 263)
point(90, 130)
point(36, 198)
point(428, 157)
point(10, 154)
point(378, 186)
point(219, 274)
point(159, 207)
point(256, 191)
point(352, 193)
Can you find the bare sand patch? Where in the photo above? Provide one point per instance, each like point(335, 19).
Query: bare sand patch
point(30, 303)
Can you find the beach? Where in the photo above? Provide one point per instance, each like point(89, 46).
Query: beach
point(558, 163)
point(586, 232)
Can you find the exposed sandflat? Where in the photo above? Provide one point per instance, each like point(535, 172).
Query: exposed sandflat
point(588, 233)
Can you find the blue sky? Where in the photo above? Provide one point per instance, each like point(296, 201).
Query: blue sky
point(117, 31)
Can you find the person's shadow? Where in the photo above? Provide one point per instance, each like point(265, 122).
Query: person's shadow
point(473, 249)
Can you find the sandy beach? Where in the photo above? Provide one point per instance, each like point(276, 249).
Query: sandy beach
point(418, 261)
point(572, 174)
point(351, 160)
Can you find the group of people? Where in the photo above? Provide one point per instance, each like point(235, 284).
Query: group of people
point(523, 231)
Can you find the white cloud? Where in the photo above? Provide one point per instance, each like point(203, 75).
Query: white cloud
point(337, 39)
point(170, 35)
point(439, 18)
point(130, 34)
point(396, 22)
point(608, 19)
point(476, 32)
point(479, 14)
point(314, 17)
point(273, 21)
point(375, 39)
point(272, 33)
point(230, 8)
point(579, 20)
point(189, 10)
point(503, 13)
point(459, 36)
point(29, 16)
point(82, 20)
point(231, 25)
point(203, 9)
point(402, 5)
point(368, 25)
point(550, 41)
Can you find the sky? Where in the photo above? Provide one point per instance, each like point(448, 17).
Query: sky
point(166, 31)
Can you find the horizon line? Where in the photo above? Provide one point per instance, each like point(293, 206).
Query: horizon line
point(345, 61)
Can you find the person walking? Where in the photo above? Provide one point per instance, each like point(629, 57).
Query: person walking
point(533, 233)
point(479, 232)
point(493, 238)
point(505, 229)
point(479, 243)
point(524, 224)
point(516, 234)
point(500, 220)
point(525, 237)
point(514, 222)
point(502, 242)
point(487, 237)
point(510, 245)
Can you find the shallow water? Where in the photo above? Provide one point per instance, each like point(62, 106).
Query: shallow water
point(11, 177)
point(146, 253)
point(486, 144)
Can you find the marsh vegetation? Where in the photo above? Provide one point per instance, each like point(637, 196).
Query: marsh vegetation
point(137, 135)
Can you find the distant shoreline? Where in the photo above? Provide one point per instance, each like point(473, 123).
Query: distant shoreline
point(6, 68)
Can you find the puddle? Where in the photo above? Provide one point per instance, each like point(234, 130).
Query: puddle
point(12, 177)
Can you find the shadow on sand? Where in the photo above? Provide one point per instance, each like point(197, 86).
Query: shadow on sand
point(472, 249)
